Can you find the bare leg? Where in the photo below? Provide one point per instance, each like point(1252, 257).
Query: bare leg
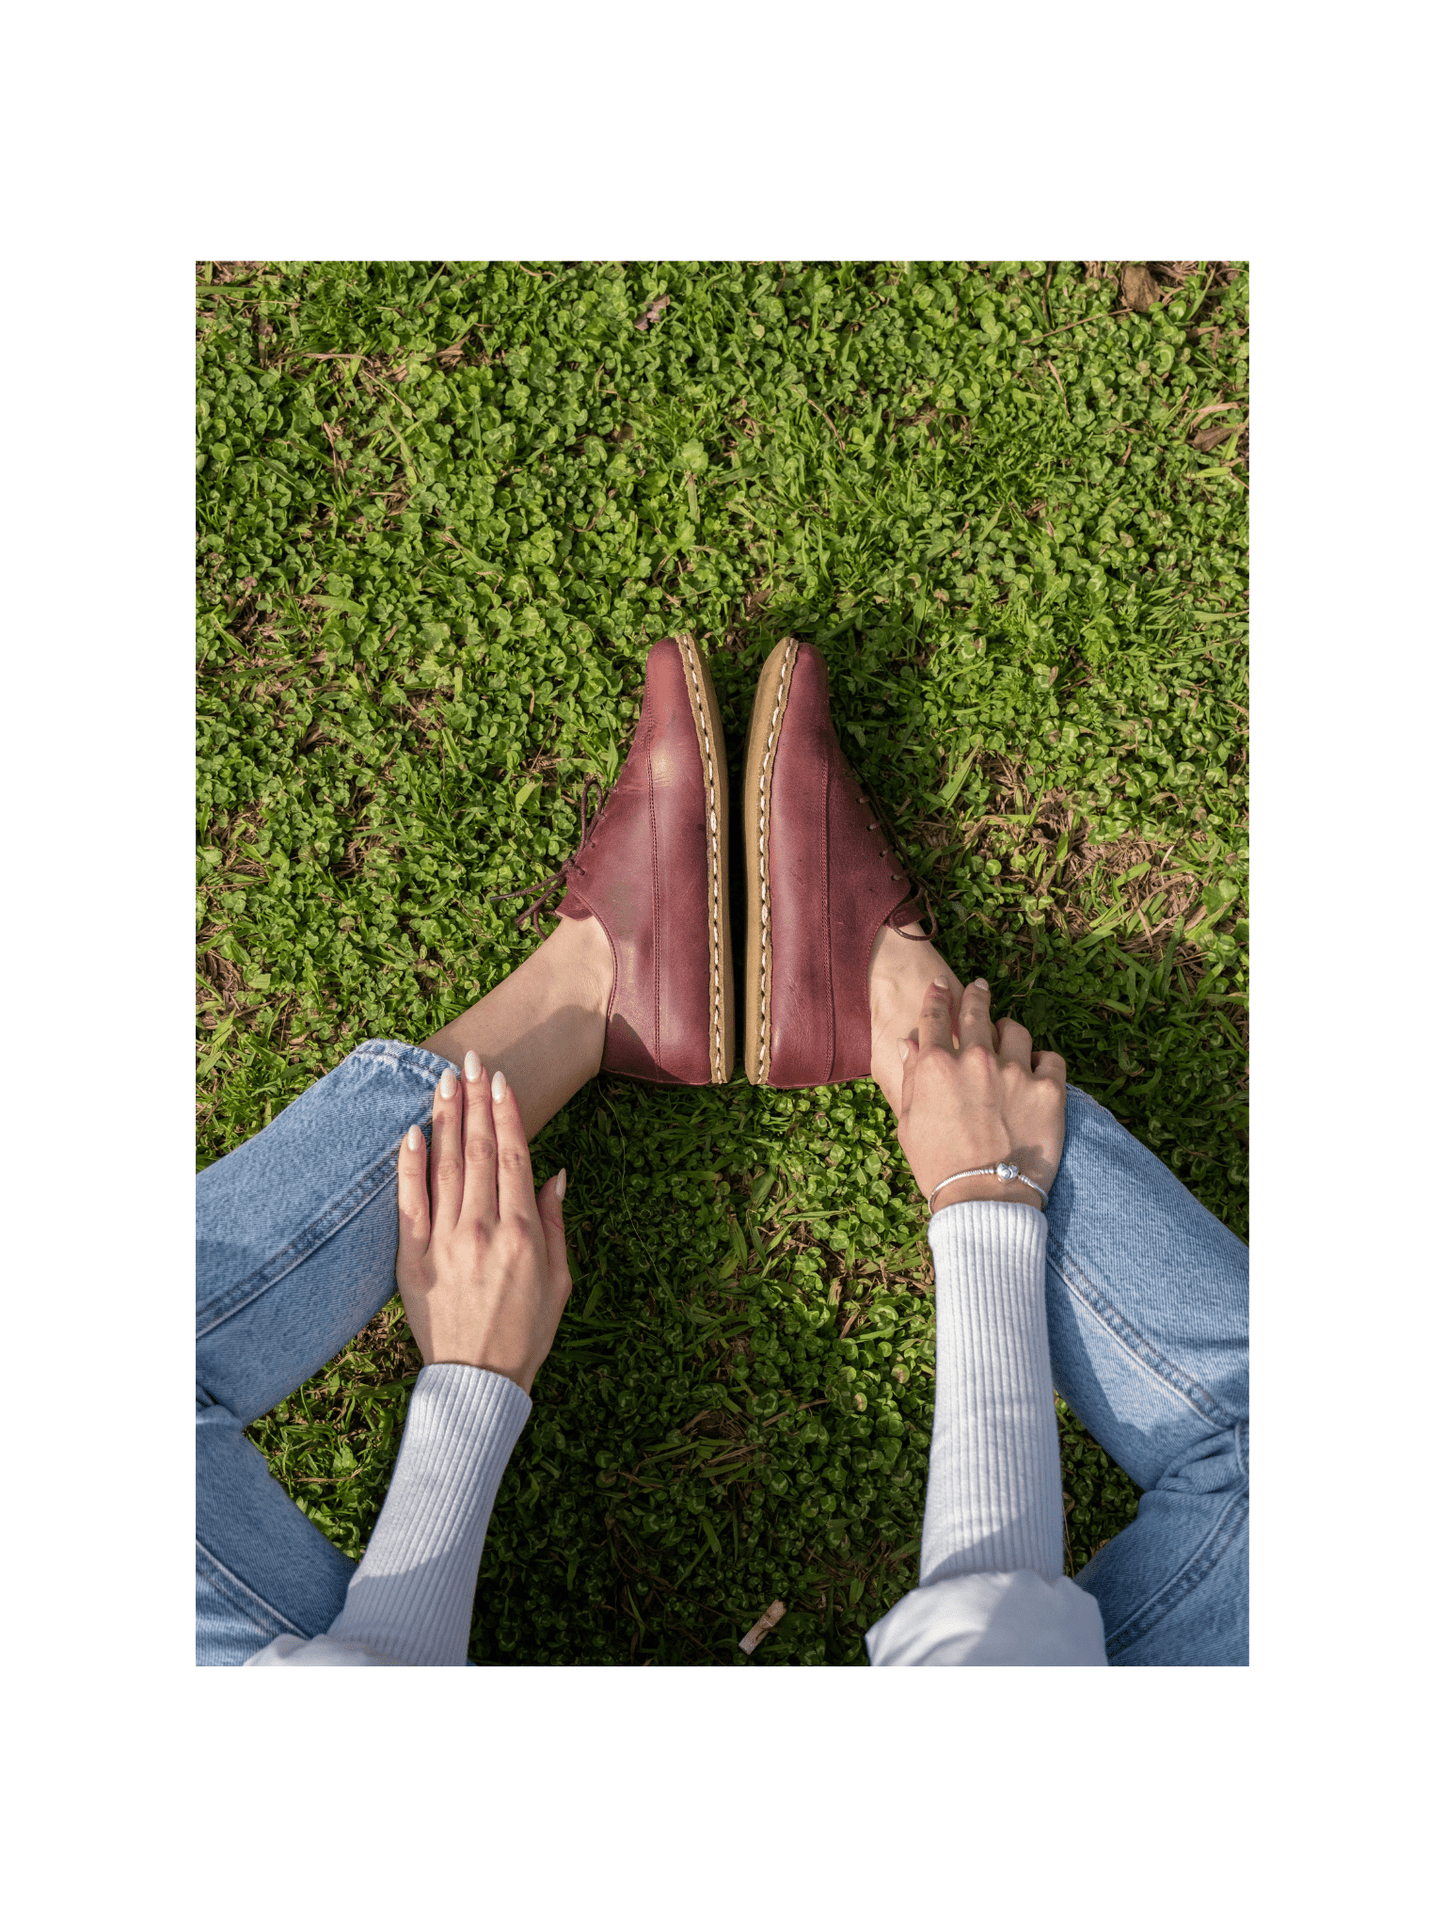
point(898, 974)
point(546, 1025)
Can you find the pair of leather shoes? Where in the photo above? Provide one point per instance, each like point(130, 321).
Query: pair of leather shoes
point(821, 883)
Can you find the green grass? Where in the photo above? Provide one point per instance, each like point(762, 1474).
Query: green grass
point(444, 511)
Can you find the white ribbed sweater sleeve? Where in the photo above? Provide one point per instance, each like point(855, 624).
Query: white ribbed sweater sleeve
point(995, 1499)
point(991, 1588)
point(410, 1600)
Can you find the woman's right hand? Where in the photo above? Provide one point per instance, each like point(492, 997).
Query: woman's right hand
point(481, 1261)
point(991, 1100)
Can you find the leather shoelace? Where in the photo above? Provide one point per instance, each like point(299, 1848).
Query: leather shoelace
point(541, 893)
point(917, 893)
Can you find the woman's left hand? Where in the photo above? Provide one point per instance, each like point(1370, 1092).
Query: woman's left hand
point(481, 1261)
point(983, 1100)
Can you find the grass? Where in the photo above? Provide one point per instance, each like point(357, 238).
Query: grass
point(444, 510)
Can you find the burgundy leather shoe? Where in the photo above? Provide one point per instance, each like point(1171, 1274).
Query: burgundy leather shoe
point(653, 871)
point(822, 882)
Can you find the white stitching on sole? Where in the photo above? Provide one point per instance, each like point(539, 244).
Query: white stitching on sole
point(764, 815)
point(689, 648)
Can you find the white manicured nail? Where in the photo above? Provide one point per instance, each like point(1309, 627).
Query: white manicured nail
point(472, 1065)
point(561, 1184)
point(499, 1087)
point(448, 1085)
point(414, 1139)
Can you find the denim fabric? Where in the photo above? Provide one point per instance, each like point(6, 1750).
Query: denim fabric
point(1148, 1309)
point(1147, 1314)
point(295, 1253)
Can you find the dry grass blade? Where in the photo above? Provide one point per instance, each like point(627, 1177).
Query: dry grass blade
point(1044, 843)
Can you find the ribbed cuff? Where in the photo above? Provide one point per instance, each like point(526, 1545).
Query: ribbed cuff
point(995, 1498)
point(411, 1598)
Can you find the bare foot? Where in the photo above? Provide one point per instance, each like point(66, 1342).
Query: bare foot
point(899, 972)
point(545, 1026)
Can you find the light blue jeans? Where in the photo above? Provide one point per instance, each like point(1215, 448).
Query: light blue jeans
point(1147, 1309)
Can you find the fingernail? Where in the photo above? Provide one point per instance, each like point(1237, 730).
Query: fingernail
point(499, 1087)
point(448, 1085)
point(414, 1139)
point(561, 1184)
point(903, 1049)
point(979, 983)
point(472, 1065)
point(941, 983)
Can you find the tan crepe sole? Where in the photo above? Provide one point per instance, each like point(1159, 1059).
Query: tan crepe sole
point(768, 707)
point(707, 720)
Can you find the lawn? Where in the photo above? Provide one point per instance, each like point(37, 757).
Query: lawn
point(444, 509)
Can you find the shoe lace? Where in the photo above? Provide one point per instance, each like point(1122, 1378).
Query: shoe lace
point(540, 894)
point(917, 893)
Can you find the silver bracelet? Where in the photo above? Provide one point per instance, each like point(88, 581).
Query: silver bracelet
point(1005, 1173)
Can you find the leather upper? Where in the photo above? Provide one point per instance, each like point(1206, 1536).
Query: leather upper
point(833, 883)
point(643, 873)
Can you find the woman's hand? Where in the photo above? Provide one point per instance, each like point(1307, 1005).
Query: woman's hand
point(482, 1263)
point(990, 1100)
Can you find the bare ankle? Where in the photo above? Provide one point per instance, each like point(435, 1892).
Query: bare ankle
point(545, 1025)
point(901, 969)
point(579, 952)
